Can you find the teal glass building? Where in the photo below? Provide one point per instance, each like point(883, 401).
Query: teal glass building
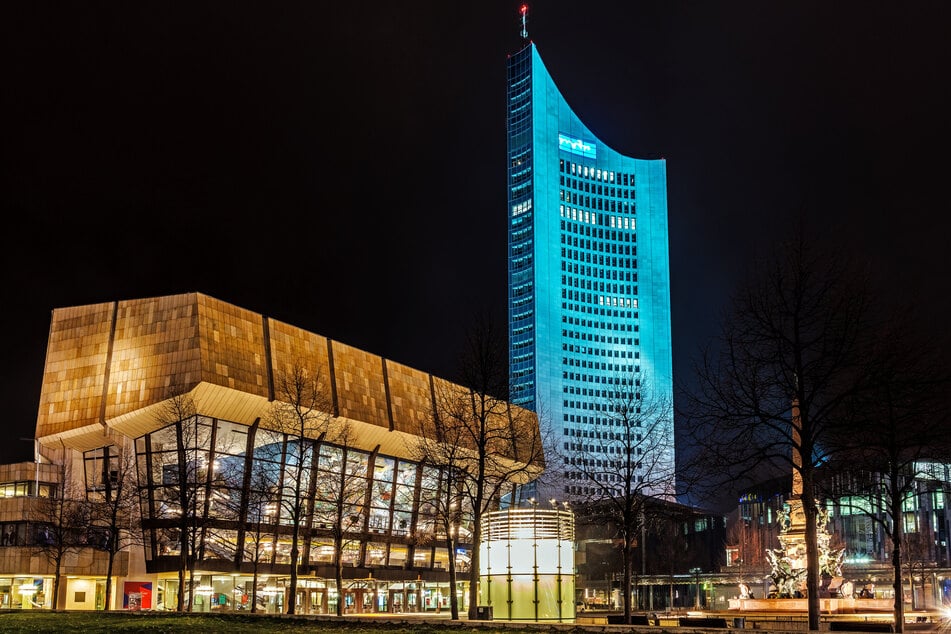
point(588, 274)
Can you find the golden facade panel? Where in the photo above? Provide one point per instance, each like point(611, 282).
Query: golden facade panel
point(411, 399)
point(291, 346)
point(232, 346)
point(360, 390)
point(112, 365)
point(75, 370)
point(154, 352)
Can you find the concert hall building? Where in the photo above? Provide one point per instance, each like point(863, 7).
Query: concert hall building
point(114, 374)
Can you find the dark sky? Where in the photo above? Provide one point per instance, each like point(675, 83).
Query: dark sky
point(341, 167)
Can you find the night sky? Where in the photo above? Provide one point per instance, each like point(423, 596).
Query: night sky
point(341, 167)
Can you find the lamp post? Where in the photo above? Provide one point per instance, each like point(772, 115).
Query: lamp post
point(559, 599)
point(696, 573)
point(534, 504)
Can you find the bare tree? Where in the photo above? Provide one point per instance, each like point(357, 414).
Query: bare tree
point(639, 441)
point(500, 445)
point(303, 412)
point(62, 521)
point(184, 483)
point(896, 429)
point(115, 515)
point(246, 500)
point(259, 531)
point(440, 449)
point(787, 361)
point(340, 496)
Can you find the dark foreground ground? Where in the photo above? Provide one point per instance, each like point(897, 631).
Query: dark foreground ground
point(228, 623)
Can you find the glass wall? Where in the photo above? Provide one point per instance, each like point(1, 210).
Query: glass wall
point(236, 486)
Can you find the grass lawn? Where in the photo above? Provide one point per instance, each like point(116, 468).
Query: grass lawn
point(66, 622)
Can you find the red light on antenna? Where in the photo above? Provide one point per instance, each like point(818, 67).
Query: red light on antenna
point(524, 9)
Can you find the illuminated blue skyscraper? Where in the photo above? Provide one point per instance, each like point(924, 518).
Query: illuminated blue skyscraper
point(589, 280)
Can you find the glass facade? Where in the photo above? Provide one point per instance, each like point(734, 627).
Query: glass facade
point(365, 493)
point(589, 282)
point(233, 483)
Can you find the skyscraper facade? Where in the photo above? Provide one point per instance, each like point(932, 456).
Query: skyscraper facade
point(589, 280)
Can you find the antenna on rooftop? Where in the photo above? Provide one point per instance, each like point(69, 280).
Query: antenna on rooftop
point(524, 11)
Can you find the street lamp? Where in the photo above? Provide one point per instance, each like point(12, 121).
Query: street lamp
point(696, 573)
point(534, 504)
point(554, 506)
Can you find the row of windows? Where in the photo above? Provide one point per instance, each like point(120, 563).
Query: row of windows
point(596, 245)
point(605, 450)
point(597, 421)
point(601, 325)
point(597, 393)
point(520, 208)
point(584, 171)
point(597, 434)
point(597, 407)
point(597, 378)
point(597, 273)
point(591, 188)
point(622, 368)
point(592, 202)
point(601, 352)
point(588, 298)
point(27, 488)
point(593, 285)
point(521, 247)
point(600, 233)
point(593, 218)
point(595, 310)
point(597, 338)
point(600, 491)
point(602, 247)
point(586, 257)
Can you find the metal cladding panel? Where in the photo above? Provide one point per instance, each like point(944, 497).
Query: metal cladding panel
point(292, 346)
point(361, 394)
point(233, 352)
point(155, 352)
point(411, 401)
point(74, 373)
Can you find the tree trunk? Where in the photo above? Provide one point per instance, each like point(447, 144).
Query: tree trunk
point(112, 557)
point(626, 580)
point(182, 565)
point(453, 599)
point(338, 572)
point(191, 586)
point(292, 590)
point(475, 563)
point(812, 548)
point(56, 582)
point(254, 590)
point(896, 504)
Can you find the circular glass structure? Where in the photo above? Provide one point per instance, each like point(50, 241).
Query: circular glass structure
point(527, 564)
